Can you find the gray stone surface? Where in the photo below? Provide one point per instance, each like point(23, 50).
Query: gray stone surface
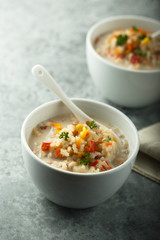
point(53, 33)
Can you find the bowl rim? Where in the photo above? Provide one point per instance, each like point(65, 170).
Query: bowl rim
point(89, 44)
point(40, 161)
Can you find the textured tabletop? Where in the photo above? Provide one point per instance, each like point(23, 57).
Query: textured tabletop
point(52, 33)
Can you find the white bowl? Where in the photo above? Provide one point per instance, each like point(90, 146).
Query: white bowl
point(130, 88)
point(70, 189)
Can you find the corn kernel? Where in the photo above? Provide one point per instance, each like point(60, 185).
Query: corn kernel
point(145, 41)
point(115, 140)
point(84, 132)
point(58, 130)
point(78, 143)
point(79, 127)
point(56, 125)
point(116, 51)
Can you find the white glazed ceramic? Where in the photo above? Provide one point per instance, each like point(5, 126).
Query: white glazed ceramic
point(78, 190)
point(130, 88)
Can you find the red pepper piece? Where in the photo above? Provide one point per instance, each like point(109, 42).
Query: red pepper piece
point(103, 168)
point(135, 59)
point(92, 146)
point(45, 146)
point(58, 153)
point(94, 163)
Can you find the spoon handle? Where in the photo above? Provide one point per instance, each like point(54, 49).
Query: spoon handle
point(43, 75)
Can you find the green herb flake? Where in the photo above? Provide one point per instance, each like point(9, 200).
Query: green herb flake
point(91, 124)
point(122, 39)
point(139, 52)
point(142, 36)
point(65, 135)
point(135, 28)
point(107, 140)
point(85, 159)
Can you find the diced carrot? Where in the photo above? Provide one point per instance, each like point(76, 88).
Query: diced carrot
point(78, 142)
point(45, 146)
point(132, 31)
point(109, 167)
point(130, 46)
point(92, 146)
point(94, 163)
point(108, 143)
point(86, 148)
point(58, 153)
point(122, 162)
point(142, 31)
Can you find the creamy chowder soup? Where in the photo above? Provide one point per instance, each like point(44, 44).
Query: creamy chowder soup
point(86, 148)
point(132, 48)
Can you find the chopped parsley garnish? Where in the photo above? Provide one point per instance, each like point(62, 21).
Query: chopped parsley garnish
point(142, 36)
point(139, 52)
point(85, 159)
point(65, 135)
point(122, 39)
point(108, 139)
point(135, 29)
point(91, 124)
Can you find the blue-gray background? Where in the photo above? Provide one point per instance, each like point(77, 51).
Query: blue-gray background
point(53, 33)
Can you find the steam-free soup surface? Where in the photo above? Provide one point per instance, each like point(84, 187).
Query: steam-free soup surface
point(132, 48)
point(65, 143)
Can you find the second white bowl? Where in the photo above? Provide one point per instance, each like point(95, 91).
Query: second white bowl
point(130, 88)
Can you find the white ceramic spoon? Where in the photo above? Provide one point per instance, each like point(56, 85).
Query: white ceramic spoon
point(43, 75)
point(155, 34)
